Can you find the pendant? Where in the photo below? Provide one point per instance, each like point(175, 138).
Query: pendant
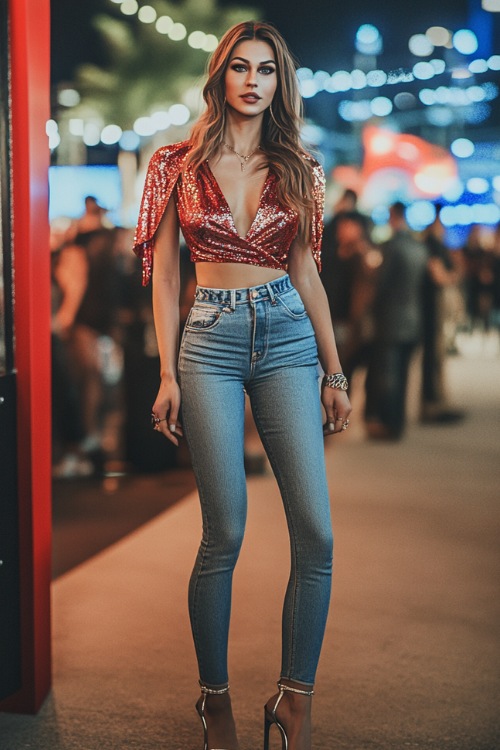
point(243, 165)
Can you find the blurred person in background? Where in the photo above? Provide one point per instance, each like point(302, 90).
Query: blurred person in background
point(479, 259)
point(249, 201)
point(397, 311)
point(92, 337)
point(93, 218)
point(347, 203)
point(69, 271)
point(350, 262)
point(495, 304)
point(443, 273)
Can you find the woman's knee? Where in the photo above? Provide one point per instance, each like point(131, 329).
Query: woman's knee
point(226, 539)
point(317, 550)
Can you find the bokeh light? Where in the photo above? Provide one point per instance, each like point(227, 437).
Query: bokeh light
point(462, 147)
point(423, 71)
point(164, 24)
point(420, 214)
point(341, 81)
point(376, 78)
point(438, 65)
point(465, 41)
point(478, 66)
point(358, 79)
point(91, 134)
point(111, 134)
point(491, 5)
point(196, 39)
point(478, 185)
point(144, 126)
point(179, 114)
point(211, 42)
point(177, 32)
point(420, 45)
point(381, 106)
point(147, 14)
point(308, 88)
point(438, 36)
point(368, 40)
point(129, 7)
point(68, 97)
point(51, 127)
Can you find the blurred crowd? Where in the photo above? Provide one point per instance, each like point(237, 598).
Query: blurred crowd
point(406, 296)
point(392, 303)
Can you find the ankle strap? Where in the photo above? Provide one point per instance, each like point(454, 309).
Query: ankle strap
point(288, 689)
point(212, 691)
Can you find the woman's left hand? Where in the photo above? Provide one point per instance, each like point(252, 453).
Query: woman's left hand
point(337, 407)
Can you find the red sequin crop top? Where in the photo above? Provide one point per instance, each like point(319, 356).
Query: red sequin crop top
point(206, 221)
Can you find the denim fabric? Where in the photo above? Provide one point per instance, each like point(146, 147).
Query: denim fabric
point(259, 340)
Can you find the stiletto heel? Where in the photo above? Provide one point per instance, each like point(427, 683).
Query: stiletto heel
point(270, 717)
point(201, 711)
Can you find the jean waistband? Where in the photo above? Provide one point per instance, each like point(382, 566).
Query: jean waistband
point(234, 297)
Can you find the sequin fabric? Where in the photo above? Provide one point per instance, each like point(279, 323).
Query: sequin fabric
point(206, 220)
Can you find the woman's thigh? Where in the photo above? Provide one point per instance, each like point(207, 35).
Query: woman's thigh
point(213, 414)
point(287, 411)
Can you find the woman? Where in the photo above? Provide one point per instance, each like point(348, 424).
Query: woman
point(249, 201)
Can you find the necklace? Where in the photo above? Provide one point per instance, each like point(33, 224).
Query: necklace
point(241, 156)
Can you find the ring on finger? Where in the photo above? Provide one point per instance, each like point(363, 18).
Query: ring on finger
point(155, 421)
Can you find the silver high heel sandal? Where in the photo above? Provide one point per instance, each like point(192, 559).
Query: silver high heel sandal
point(270, 716)
point(201, 711)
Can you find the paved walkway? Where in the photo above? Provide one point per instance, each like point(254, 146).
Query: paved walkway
point(411, 657)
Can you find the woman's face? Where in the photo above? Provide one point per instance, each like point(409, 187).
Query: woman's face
point(251, 77)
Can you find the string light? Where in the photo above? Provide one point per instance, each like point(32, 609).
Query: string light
point(166, 25)
point(129, 7)
point(147, 14)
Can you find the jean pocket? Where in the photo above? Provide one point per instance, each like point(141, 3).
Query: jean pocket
point(203, 318)
point(292, 305)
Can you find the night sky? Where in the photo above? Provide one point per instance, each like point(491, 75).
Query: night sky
point(320, 32)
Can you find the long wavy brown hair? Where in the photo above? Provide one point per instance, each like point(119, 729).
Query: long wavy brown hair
point(280, 132)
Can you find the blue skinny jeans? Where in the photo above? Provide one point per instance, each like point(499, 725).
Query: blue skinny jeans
point(259, 341)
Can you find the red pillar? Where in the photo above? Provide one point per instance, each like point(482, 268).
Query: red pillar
point(30, 71)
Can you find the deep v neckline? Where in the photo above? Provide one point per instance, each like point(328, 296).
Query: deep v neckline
point(230, 213)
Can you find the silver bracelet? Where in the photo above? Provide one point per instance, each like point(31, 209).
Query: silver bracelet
point(337, 380)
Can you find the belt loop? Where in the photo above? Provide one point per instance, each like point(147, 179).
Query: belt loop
point(233, 299)
point(271, 293)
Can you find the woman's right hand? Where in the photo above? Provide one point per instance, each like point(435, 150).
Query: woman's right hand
point(166, 408)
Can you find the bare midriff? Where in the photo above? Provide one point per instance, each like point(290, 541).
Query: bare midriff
point(234, 275)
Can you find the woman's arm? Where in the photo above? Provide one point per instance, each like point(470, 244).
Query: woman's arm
point(303, 273)
point(166, 289)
